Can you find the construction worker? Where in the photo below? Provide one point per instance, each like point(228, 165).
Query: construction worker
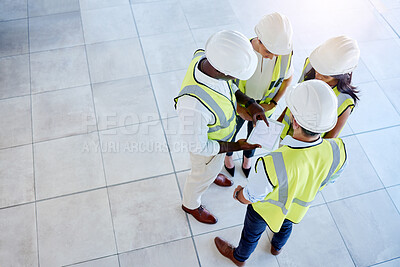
point(293, 174)
point(332, 62)
point(206, 106)
point(273, 47)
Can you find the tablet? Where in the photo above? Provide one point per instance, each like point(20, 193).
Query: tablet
point(267, 137)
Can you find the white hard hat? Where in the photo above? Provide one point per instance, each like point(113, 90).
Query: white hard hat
point(338, 55)
point(275, 33)
point(231, 53)
point(314, 105)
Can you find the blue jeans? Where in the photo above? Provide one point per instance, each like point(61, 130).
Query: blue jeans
point(239, 124)
point(254, 226)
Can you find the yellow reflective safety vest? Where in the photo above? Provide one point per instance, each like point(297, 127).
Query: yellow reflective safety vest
point(282, 64)
point(344, 101)
point(222, 107)
point(297, 175)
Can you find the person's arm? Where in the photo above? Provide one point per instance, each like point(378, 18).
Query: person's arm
point(194, 123)
point(279, 95)
point(238, 195)
point(255, 110)
point(280, 119)
point(243, 113)
point(339, 125)
point(236, 146)
point(256, 190)
point(194, 127)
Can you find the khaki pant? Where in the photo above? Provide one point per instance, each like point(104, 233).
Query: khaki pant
point(203, 173)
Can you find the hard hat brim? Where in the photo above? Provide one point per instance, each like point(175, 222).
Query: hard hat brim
point(250, 70)
point(289, 98)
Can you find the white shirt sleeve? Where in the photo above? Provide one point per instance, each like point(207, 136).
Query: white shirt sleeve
point(194, 120)
point(258, 186)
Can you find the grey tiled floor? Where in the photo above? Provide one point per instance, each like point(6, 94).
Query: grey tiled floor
point(91, 165)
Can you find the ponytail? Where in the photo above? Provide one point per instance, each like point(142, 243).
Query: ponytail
point(344, 85)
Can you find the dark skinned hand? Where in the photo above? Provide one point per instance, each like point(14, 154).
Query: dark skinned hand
point(257, 112)
point(246, 146)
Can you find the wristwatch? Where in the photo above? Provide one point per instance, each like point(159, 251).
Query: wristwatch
point(248, 103)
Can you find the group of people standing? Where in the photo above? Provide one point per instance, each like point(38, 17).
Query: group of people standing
point(236, 81)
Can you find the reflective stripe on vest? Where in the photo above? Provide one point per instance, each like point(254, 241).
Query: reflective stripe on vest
point(287, 130)
point(196, 90)
point(283, 179)
point(276, 85)
point(306, 68)
point(296, 189)
point(335, 162)
point(223, 129)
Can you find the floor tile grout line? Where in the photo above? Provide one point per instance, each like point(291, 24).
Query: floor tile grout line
point(87, 261)
point(13, 97)
point(88, 84)
point(218, 230)
point(383, 17)
point(17, 205)
point(136, 124)
point(341, 235)
point(371, 131)
point(187, 217)
point(60, 89)
point(53, 14)
point(180, 239)
point(14, 19)
point(378, 263)
point(32, 145)
point(86, 191)
point(191, 30)
point(394, 204)
point(57, 48)
point(356, 195)
point(377, 174)
point(158, 176)
point(373, 75)
point(16, 146)
point(370, 162)
point(63, 137)
point(98, 136)
point(392, 186)
point(154, 245)
point(101, 42)
point(388, 98)
point(163, 129)
point(82, 133)
point(14, 55)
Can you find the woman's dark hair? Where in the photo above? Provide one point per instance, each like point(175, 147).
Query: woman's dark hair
point(344, 83)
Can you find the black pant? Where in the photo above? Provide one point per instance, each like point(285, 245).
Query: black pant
point(239, 124)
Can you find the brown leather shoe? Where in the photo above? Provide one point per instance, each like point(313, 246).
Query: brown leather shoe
point(274, 251)
point(201, 214)
point(222, 180)
point(227, 250)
